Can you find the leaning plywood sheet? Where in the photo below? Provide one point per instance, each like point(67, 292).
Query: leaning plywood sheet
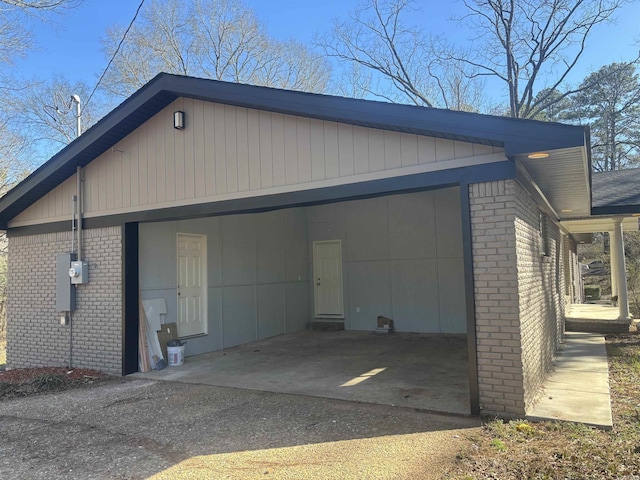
point(154, 308)
point(143, 355)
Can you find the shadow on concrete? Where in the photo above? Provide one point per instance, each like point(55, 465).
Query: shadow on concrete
point(136, 428)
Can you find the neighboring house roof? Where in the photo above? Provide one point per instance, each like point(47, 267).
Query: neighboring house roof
point(518, 137)
point(616, 192)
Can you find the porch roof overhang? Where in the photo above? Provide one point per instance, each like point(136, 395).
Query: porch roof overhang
point(599, 224)
point(616, 196)
point(566, 144)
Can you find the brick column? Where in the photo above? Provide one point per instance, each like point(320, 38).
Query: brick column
point(500, 379)
point(518, 279)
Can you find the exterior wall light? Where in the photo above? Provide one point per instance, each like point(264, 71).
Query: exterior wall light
point(538, 155)
point(178, 120)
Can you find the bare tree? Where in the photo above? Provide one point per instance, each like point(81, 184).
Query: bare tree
point(15, 37)
point(220, 39)
point(13, 164)
point(15, 41)
point(531, 46)
point(48, 116)
point(400, 60)
point(28, 5)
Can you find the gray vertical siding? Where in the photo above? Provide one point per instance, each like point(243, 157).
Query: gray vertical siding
point(402, 258)
point(257, 274)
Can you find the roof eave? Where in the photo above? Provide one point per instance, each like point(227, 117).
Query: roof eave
point(515, 136)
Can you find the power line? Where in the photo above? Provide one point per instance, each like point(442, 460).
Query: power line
point(124, 36)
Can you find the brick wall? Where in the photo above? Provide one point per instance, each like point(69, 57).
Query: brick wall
point(34, 334)
point(496, 297)
point(518, 295)
point(540, 291)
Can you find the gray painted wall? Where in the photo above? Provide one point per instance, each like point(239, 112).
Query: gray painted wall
point(402, 258)
point(257, 274)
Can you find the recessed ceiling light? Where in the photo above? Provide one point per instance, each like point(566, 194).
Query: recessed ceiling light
point(568, 210)
point(538, 155)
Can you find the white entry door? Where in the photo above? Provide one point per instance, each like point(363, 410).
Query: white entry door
point(327, 279)
point(192, 284)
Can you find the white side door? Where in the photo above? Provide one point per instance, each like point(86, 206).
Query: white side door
point(192, 284)
point(327, 279)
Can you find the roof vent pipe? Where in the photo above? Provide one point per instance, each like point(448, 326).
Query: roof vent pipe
point(76, 99)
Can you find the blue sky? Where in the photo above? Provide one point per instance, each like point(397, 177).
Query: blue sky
point(71, 44)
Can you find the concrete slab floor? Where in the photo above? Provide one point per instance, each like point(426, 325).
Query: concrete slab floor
point(422, 371)
point(578, 388)
point(592, 311)
point(595, 318)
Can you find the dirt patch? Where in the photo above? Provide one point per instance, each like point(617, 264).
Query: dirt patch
point(22, 382)
point(521, 449)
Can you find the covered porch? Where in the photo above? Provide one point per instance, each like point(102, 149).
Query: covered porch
point(615, 316)
point(589, 317)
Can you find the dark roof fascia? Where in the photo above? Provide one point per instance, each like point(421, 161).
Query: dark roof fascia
point(516, 136)
point(104, 134)
point(616, 210)
point(587, 142)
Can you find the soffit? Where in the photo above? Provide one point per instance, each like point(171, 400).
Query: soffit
point(599, 224)
point(563, 178)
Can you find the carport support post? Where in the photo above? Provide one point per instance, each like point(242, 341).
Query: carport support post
point(130, 319)
point(621, 271)
point(472, 346)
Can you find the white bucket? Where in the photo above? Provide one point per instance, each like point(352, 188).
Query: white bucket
point(176, 356)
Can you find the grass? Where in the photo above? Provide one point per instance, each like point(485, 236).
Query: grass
point(519, 449)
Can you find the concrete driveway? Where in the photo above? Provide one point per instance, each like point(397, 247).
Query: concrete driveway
point(422, 371)
point(134, 429)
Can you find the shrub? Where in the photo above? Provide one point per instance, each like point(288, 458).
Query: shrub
point(592, 292)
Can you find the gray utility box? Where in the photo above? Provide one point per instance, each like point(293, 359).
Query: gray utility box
point(79, 272)
point(65, 292)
